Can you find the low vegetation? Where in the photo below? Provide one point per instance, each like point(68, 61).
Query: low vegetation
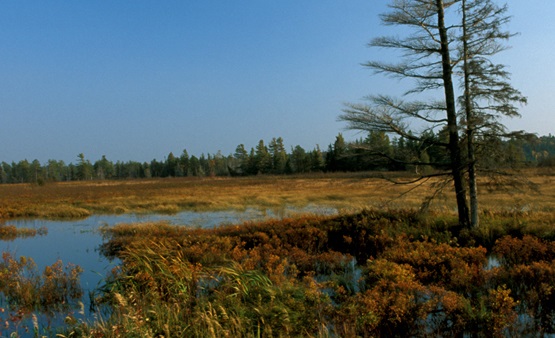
point(389, 270)
point(351, 191)
point(372, 273)
point(26, 292)
point(11, 232)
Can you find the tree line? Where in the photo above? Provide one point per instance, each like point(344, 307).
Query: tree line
point(387, 154)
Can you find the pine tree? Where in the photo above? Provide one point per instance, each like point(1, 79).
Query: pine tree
point(83, 169)
point(279, 155)
point(263, 159)
point(336, 158)
point(184, 163)
point(487, 94)
point(242, 157)
point(317, 162)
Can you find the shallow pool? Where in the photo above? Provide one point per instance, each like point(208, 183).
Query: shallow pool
point(77, 241)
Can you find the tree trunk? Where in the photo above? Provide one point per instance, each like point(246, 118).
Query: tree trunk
point(454, 145)
point(470, 123)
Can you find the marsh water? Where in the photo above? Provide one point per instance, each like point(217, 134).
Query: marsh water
point(77, 241)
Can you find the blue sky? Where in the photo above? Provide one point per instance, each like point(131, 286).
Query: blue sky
point(134, 80)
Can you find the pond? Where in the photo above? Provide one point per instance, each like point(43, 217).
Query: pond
point(78, 241)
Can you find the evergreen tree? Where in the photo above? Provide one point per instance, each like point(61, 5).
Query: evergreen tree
point(263, 159)
point(71, 172)
point(427, 60)
point(242, 159)
point(196, 169)
point(448, 41)
point(317, 162)
point(21, 171)
point(377, 151)
point(487, 94)
point(279, 155)
point(171, 165)
point(120, 170)
point(184, 163)
point(336, 159)
point(103, 168)
point(252, 165)
point(220, 164)
point(37, 175)
point(84, 168)
point(134, 169)
point(157, 168)
point(300, 160)
point(204, 165)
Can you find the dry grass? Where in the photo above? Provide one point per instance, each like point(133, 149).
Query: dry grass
point(297, 277)
point(341, 191)
point(11, 232)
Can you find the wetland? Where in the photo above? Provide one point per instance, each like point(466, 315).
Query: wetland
point(319, 255)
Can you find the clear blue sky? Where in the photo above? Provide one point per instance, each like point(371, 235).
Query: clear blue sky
point(134, 80)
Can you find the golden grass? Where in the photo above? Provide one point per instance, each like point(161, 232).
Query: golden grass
point(341, 191)
point(297, 277)
point(11, 232)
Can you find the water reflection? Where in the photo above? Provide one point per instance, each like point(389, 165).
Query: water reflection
point(78, 241)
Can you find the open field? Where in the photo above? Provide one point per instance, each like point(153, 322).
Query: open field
point(341, 191)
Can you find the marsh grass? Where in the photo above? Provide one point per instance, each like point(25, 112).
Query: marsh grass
point(379, 268)
point(26, 292)
point(171, 296)
point(340, 191)
point(11, 232)
point(370, 273)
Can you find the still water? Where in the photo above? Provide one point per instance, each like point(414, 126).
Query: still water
point(77, 242)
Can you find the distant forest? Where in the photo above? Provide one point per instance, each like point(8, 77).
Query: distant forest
point(373, 153)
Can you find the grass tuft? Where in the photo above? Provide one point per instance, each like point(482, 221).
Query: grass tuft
point(11, 232)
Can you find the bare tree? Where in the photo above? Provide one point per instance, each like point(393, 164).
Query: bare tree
point(426, 60)
point(487, 93)
point(436, 54)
